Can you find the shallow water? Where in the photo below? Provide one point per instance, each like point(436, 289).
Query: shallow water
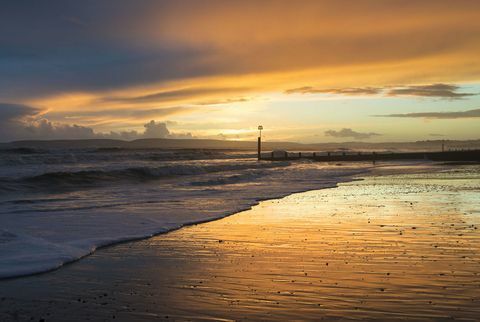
point(58, 206)
point(386, 248)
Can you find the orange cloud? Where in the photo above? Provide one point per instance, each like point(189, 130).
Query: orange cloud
point(183, 53)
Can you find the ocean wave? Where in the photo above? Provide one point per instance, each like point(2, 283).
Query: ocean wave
point(61, 179)
point(20, 151)
point(37, 238)
point(43, 229)
point(248, 176)
point(29, 156)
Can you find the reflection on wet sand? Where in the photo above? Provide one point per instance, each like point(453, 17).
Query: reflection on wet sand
point(396, 247)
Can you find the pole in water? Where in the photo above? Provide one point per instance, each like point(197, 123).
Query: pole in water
point(259, 144)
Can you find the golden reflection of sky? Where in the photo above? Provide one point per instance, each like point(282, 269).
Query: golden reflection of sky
point(392, 248)
point(374, 249)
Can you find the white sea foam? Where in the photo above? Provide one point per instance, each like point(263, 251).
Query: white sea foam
point(54, 214)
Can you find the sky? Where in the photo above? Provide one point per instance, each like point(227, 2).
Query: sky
point(308, 71)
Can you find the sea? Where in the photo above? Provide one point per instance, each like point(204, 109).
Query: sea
point(59, 205)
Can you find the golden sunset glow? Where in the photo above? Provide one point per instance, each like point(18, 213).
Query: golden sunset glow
point(183, 62)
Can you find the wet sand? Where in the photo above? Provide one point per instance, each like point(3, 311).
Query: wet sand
point(396, 247)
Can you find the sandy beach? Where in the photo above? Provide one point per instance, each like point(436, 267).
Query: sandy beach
point(241, 160)
point(392, 247)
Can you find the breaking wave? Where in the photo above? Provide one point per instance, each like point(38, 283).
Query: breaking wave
point(81, 178)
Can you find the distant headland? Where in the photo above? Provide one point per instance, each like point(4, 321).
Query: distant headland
point(428, 145)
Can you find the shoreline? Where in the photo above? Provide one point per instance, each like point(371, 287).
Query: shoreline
point(365, 173)
point(184, 225)
point(335, 253)
point(43, 234)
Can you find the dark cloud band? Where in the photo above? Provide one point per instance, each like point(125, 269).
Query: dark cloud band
point(443, 91)
point(438, 115)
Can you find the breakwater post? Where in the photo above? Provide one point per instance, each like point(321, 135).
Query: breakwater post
point(259, 144)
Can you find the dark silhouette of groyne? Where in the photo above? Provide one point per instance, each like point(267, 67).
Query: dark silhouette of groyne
point(448, 156)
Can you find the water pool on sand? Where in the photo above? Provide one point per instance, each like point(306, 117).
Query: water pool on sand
point(391, 247)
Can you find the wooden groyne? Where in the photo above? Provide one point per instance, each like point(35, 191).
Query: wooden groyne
point(466, 155)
